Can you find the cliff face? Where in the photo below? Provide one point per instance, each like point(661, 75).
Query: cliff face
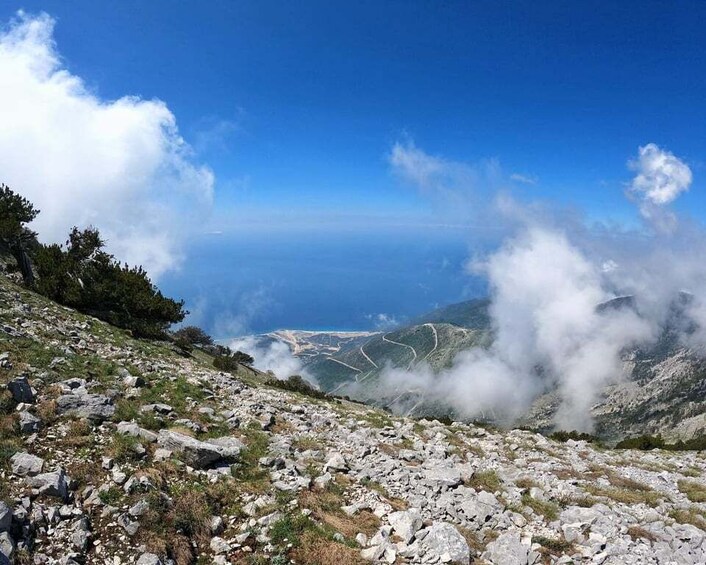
point(114, 450)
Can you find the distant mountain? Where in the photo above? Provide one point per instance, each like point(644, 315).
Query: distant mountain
point(472, 314)
point(663, 389)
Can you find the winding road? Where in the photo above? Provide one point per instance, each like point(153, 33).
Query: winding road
point(368, 358)
point(414, 352)
point(344, 364)
point(436, 340)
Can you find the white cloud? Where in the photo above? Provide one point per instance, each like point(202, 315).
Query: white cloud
point(547, 281)
point(419, 167)
point(119, 165)
point(524, 179)
point(383, 321)
point(661, 178)
point(272, 356)
point(458, 186)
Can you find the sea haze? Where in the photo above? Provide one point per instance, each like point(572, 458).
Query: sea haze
point(235, 284)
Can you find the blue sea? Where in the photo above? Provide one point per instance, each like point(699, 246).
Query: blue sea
point(244, 283)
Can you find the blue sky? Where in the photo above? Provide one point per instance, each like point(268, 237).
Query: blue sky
point(295, 107)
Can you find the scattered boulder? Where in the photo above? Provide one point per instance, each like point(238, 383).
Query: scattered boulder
point(24, 464)
point(406, 523)
point(5, 516)
point(96, 407)
point(21, 390)
point(51, 484)
point(337, 462)
point(443, 477)
point(149, 559)
point(219, 545)
point(28, 422)
point(163, 409)
point(481, 508)
point(134, 382)
point(445, 542)
point(193, 452)
point(229, 447)
point(7, 548)
point(133, 430)
point(507, 549)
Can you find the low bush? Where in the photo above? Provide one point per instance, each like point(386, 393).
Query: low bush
point(564, 436)
point(296, 383)
point(648, 442)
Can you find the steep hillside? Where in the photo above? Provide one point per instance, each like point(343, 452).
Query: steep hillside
point(661, 389)
point(114, 450)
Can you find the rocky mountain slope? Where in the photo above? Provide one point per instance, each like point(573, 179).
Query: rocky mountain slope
point(114, 451)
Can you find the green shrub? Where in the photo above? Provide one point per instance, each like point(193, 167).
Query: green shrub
point(111, 496)
point(648, 442)
point(564, 436)
point(296, 383)
point(193, 335)
point(84, 276)
point(15, 212)
point(644, 442)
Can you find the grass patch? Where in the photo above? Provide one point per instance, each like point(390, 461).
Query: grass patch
point(625, 495)
point(549, 510)
point(248, 471)
point(692, 515)
point(485, 480)
point(306, 443)
point(175, 392)
point(525, 483)
point(584, 501)
point(289, 529)
point(180, 529)
point(638, 532)
point(317, 550)
point(694, 491)
point(377, 419)
point(123, 448)
point(553, 546)
point(111, 496)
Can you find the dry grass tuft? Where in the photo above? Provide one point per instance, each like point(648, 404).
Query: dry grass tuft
point(692, 515)
point(485, 480)
point(316, 550)
point(694, 491)
point(626, 495)
point(547, 509)
point(525, 483)
point(8, 426)
point(46, 411)
point(638, 532)
point(326, 506)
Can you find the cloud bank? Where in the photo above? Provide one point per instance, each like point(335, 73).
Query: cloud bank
point(547, 281)
point(272, 356)
point(119, 165)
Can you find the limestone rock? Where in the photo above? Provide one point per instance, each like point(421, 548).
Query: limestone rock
point(96, 407)
point(24, 464)
point(507, 549)
point(29, 423)
point(193, 452)
point(406, 523)
point(21, 390)
point(445, 541)
point(54, 483)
